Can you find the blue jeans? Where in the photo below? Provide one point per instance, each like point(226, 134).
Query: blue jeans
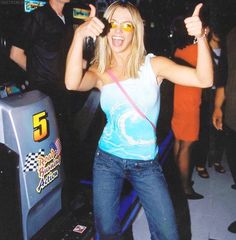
point(147, 180)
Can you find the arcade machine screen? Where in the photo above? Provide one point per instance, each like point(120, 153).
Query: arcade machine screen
point(30, 5)
point(80, 13)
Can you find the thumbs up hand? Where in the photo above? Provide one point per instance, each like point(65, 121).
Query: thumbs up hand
point(92, 27)
point(194, 24)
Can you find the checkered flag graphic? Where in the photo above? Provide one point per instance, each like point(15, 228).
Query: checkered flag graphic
point(31, 163)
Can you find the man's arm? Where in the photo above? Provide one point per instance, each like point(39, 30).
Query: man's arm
point(18, 56)
point(217, 117)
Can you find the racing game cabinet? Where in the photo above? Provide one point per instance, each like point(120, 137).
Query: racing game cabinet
point(28, 135)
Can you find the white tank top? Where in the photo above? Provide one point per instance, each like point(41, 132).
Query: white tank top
point(127, 134)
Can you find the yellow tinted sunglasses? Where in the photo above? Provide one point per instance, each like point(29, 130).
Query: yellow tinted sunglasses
point(126, 26)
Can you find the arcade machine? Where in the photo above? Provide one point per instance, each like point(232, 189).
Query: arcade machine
point(28, 129)
point(31, 171)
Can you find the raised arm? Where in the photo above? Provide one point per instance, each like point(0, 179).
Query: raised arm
point(202, 75)
point(75, 78)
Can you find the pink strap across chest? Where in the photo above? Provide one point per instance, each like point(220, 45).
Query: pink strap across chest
point(114, 78)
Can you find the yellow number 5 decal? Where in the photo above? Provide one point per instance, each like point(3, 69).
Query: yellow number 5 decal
point(40, 125)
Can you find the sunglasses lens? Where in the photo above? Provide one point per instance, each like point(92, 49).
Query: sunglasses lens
point(114, 24)
point(128, 27)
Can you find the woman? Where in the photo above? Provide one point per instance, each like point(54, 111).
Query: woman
point(186, 107)
point(127, 147)
point(186, 120)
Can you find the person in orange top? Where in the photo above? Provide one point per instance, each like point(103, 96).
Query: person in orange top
point(185, 121)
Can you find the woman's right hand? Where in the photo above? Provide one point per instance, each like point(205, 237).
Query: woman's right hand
point(75, 77)
point(92, 27)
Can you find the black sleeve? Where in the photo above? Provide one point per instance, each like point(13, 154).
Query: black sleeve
point(222, 69)
point(26, 32)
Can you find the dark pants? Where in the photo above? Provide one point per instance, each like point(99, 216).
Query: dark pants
point(230, 149)
point(63, 106)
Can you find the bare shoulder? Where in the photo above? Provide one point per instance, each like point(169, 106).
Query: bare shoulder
point(160, 63)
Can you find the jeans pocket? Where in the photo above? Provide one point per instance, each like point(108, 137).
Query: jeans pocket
point(102, 161)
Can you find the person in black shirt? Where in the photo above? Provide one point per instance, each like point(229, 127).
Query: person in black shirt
point(40, 47)
point(210, 146)
point(225, 119)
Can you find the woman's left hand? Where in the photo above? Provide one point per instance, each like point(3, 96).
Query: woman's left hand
point(194, 24)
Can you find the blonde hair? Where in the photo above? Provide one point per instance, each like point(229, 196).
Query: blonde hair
point(103, 53)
